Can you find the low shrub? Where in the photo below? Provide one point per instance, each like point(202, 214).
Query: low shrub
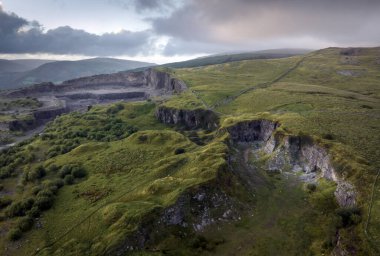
point(179, 151)
point(35, 174)
point(4, 202)
point(52, 168)
point(78, 172)
point(349, 216)
point(14, 234)
point(65, 170)
point(69, 179)
point(20, 208)
point(34, 212)
point(311, 187)
point(44, 202)
point(25, 223)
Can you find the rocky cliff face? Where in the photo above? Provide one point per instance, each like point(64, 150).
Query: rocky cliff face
point(249, 131)
point(38, 118)
point(293, 153)
point(193, 211)
point(149, 79)
point(198, 118)
point(162, 80)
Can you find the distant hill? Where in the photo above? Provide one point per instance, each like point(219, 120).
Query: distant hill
point(21, 65)
point(8, 66)
point(31, 63)
point(230, 57)
point(58, 71)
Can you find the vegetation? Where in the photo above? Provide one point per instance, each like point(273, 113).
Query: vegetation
point(92, 179)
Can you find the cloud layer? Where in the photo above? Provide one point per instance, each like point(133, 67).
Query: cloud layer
point(21, 36)
point(251, 23)
point(199, 26)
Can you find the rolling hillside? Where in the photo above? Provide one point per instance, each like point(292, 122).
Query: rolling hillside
point(257, 157)
point(231, 57)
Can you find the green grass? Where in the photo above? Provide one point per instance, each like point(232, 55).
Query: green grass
point(128, 177)
point(133, 171)
point(185, 100)
point(342, 111)
point(215, 83)
point(6, 104)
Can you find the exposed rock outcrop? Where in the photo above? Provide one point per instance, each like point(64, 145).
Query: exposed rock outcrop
point(150, 79)
point(194, 210)
point(162, 80)
point(293, 153)
point(249, 131)
point(197, 118)
point(22, 124)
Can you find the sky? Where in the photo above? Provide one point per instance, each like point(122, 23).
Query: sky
point(163, 31)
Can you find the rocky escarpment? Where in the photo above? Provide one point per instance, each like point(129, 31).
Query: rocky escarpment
point(149, 79)
point(197, 118)
point(22, 124)
point(104, 96)
point(38, 118)
point(162, 80)
point(293, 153)
point(193, 211)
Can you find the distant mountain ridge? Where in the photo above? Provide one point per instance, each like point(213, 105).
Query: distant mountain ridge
point(58, 71)
point(238, 56)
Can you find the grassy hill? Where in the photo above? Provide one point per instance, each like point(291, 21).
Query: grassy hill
point(8, 66)
point(94, 178)
point(231, 57)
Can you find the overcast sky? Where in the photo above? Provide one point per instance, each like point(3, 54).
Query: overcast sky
point(171, 30)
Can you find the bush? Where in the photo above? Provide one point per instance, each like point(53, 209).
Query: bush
point(65, 170)
point(328, 136)
point(142, 138)
point(52, 168)
point(115, 109)
point(4, 202)
point(44, 202)
point(34, 174)
point(45, 192)
point(25, 223)
point(20, 208)
point(14, 234)
point(36, 189)
point(179, 151)
point(34, 212)
point(78, 172)
point(349, 216)
point(311, 187)
point(69, 179)
point(58, 183)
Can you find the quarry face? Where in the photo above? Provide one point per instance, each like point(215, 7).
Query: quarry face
point(78, 95)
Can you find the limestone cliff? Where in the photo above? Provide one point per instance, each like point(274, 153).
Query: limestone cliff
point(293, 153)
point(197, 118)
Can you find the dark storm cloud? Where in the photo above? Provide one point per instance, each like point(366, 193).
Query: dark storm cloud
point(145, 5)
point(21, 36)
point(237, 23)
